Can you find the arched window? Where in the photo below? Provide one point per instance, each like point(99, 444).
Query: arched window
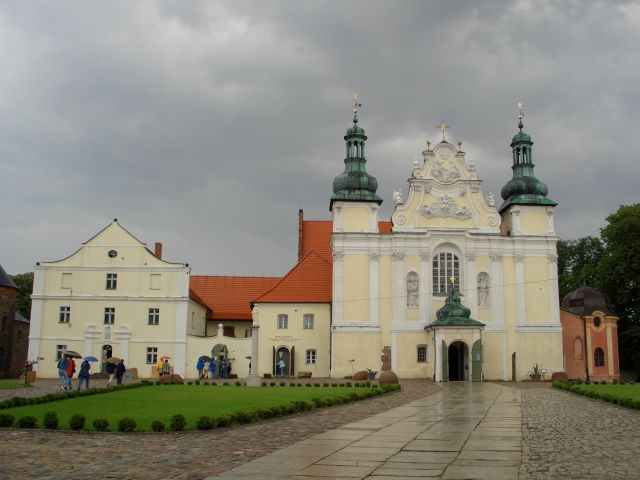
point(445, 265)
point(422, 354)
point(599, 357)
point(577, 349)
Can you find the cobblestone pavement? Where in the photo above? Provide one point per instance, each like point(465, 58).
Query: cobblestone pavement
point(187, 455)
point(570, 437)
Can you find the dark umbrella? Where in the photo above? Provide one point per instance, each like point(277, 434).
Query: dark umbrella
point(204, 358)
point(72, 354)
point(91, 359)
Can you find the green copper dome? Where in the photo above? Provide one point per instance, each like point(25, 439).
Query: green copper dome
point(454, 314)
point(524, 188)
point(355, 184)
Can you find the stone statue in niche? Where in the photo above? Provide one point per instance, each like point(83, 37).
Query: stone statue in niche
point(413, 289)
point(483, 290)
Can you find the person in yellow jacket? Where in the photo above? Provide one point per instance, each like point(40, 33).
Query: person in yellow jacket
point(159, 366)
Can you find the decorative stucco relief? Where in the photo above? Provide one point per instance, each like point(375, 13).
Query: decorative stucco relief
point(445, 173)
point(445, 208)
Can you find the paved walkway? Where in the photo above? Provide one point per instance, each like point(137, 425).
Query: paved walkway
point(450, 431)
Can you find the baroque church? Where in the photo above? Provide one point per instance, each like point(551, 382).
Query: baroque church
point(453, 287)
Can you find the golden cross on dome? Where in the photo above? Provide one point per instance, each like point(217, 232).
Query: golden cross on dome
point(520, 114)
point(443, 126)
point(453, 280)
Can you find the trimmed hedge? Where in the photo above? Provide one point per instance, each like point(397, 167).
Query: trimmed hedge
point(77, 421)
point(126, 424)
point(575, 387)
point(178, 422)
point(50, 420)
point(6, 420)
point(28, 421)
point(101, 424)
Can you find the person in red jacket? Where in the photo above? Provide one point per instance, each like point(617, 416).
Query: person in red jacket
point(71, 369)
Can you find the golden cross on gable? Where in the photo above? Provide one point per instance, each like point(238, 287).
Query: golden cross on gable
point(443, 126)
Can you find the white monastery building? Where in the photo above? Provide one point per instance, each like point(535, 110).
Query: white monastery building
point(452, 288)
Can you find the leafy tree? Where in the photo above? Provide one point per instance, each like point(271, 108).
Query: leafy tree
point(24, 282)
point(578, 263)
point(620, 278)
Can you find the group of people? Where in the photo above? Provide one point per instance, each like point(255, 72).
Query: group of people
point(163, 366)
point(67, 368)
point(212, 369)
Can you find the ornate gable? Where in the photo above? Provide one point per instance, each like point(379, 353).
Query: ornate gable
point(444, 192)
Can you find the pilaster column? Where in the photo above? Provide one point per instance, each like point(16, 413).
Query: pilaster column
point(438, 349)
point(254, 377)
point(472, 285)
point(521, 302)
point(337, 218)
point(399, 291)
point(374, 217)
point(374, 289)
point(497, 294)
point(551, 228)
point(553, 285)
point(337, 306)
point(425, 289)
point(515, 221)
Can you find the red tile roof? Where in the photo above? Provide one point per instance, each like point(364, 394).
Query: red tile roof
point(316, 237)
point(229, 298)
point(385, 227)
point(308, 282)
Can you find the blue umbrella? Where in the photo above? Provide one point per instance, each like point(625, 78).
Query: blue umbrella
point(91, 359)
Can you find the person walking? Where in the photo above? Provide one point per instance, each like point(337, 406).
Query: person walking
point(62, 373)
point(111, 370)
point(120, 369)
point(200, 367)
point(281, 367)
point(71, 369)
point(223, 368)
point(166, 368)
point(212, 369)
point(84, 375)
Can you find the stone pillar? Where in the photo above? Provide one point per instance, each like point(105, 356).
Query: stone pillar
point(373, 290)
point(425, 289)
point(337, 306)
point(253, 380)
point(521, 301)
point(472, 285)
point(554, 294)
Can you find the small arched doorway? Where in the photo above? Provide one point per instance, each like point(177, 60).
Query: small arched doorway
point(458, 361)
point(107, 353)
point(285, 355)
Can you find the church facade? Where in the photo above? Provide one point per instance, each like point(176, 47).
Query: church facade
point(451, 288)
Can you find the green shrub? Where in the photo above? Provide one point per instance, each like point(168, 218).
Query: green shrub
point(189, 382)
point(157, 426)
point(178, 422)
point(205, 423)
point(157, 382)
point(126, 424)
point(246, 416)
point(282, 384)
point(197, 381)
point(101, 424)
point(6, 420)
point(272, 384)
point(263, 384)
point(308, 385)
point(238, 384)
point(299, 384)
point(50, 420)
point(28, 421)
point(77, 421)
point(347, 384)
point(334, 384)
point(225, 384)
point(224, 420)
point(316, 384)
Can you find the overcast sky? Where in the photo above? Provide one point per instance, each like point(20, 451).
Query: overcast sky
point(206, 125)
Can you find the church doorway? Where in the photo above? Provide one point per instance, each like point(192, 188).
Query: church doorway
point(107, 352)
point(284, 355)
point(458, 360)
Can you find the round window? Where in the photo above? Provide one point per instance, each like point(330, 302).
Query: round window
point(597, 321)
point(112, 254)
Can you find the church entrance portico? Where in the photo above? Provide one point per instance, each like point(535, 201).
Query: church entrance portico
point(458, 361)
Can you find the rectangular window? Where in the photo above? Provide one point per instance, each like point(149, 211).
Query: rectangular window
point(307, 321)
point(154, 281)
point(310, 357)
point(422, 354)
point(154, 316)
point(66, 280)
point(65, 314)
point(229, 331)
point(109, 315)
point(152, 355)
point(60, 349)
point(112, 281)
point(283, 321)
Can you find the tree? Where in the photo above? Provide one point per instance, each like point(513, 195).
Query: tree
point(24, 282)
point(620, 278)
point(578, 263)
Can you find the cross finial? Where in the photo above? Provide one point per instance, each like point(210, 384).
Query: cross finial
point(453, 279)
point(520, 115)
point(443, 126)
point(356, 107)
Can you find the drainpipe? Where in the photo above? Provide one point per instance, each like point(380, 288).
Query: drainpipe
point(587, 348)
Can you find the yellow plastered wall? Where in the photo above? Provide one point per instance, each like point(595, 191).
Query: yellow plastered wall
point(317, 339)
point(543, 348)
point(196, 319)
point(533, 222)
point(407, 365)
point(509, 292)
point(356, 288)
point(537, 294)
point(385, 294)
point(364, 347)
point(356, 218)
point(492, 354)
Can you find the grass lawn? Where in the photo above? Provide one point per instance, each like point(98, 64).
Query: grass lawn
point(162, 402)
point(12, 384)
point(619, 391)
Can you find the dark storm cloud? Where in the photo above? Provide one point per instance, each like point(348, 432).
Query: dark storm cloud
point(206, 125)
